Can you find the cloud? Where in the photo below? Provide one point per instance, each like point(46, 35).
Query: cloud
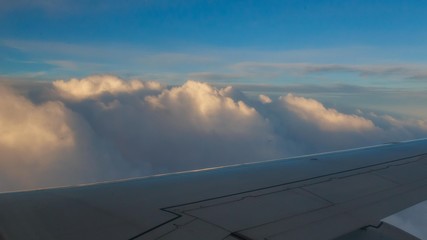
point(313, 111)
point(22, 122)
point(33, 142)
point(408, 71)
point(63, 50)
point(104, 127)
point(264, 99)
point(310, 88)
point(177, 59)
point(197, 126)
point(96, 85)
point(65, 64)
point(211, 76)
point(202, 100)
point(120, 128)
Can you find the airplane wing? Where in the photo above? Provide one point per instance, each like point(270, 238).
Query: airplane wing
point(323, 196)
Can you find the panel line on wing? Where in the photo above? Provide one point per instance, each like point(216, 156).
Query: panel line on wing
point(178, 210)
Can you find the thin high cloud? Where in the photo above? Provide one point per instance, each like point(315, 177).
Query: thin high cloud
point(213, 64)
point(106, 128)
point(212, 76)
point(62, 59)
point(391, 70)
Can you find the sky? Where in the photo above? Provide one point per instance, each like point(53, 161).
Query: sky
point(119, 89)
point(369, 43)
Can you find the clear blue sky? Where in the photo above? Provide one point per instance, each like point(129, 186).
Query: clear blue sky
point(365, 42)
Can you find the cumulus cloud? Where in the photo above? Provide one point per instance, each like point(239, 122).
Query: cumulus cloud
point(33, 140)
point(26, 128)
point(264, 99)
point(104, 127)
point(325, 118)
point(47, 144)
point(190, 126)
point(96, 85)
point(206, 104)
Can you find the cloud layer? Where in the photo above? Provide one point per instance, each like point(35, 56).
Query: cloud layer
point(103, 128)
point(407, 71)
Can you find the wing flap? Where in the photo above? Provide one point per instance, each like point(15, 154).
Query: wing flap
point(251, 210)
point(322, 208)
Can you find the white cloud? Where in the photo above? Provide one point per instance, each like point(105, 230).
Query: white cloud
point(141, 128)
point(207, 106)
point(65, 64)
point(328, 119)
point(33, 138)
point(47, 144)
point(203, 126)
point(120, 129)
point(264, 99)
point(96, 85)
point(26, 127)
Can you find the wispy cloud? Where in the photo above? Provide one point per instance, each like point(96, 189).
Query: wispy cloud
point(208, 64)
point(49, 48)
point(102, 54)
point(212, 76)
point(177, 58)
point(71, 65)
point(407, 71)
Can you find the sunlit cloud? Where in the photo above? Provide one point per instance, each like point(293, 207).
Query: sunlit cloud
point(325, 118)
point(36, 129)
point(202, 99)
point(264, 99)
point(97, 85)
point(105, 127)
point(32, 139)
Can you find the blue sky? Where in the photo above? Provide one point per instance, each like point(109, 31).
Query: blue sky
point(369, 43)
